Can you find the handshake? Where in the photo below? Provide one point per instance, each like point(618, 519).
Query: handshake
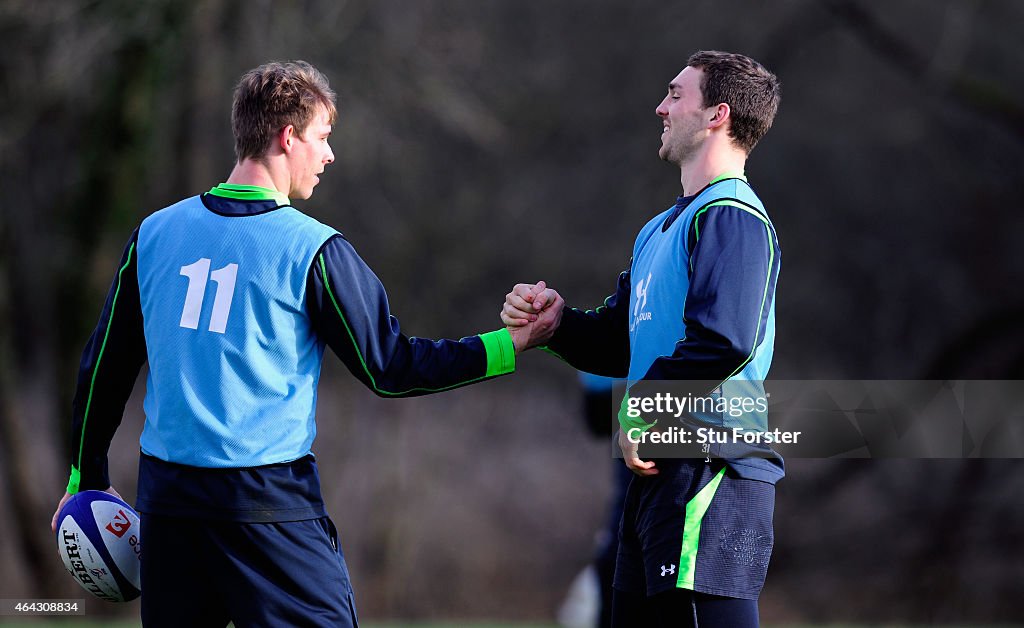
point(532, 313)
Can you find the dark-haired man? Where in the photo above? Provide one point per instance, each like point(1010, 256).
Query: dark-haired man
point(696, 305)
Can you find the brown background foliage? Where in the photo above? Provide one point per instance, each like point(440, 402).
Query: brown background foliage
point(481, 144)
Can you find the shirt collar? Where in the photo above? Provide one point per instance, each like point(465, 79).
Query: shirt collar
point(240, 192)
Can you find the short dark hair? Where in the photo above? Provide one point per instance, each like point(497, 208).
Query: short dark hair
point(750, 90)
point(271, 97)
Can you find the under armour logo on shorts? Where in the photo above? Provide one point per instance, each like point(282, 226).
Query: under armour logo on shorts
point(668, 571)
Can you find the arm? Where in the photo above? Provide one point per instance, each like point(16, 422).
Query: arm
point(594, 341)
point(349, 309)
point(734, 264)
point(110, 365)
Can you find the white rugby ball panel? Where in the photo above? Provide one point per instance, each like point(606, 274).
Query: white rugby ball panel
point(84, 562)
point(119, 528)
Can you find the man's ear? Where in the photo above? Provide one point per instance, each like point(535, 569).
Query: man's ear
point(286, 138)
point(721, 115)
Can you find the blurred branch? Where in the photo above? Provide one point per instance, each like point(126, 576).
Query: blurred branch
point(981, 96)
point(23, 497)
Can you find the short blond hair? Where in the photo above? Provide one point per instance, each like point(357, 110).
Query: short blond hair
point(272, 96)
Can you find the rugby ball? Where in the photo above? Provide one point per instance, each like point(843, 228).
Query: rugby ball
point(98, 539)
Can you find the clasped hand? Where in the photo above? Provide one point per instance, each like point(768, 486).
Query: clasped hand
point(532, 313)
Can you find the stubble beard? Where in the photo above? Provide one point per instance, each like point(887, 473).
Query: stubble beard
point(677, 154)
point(685, 148)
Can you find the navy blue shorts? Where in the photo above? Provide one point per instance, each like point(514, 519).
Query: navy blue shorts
point(206, 573)
point(697, 526)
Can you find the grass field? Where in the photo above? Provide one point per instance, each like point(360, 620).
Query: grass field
point(43, 622)
point(75, 623)
point(71, 623)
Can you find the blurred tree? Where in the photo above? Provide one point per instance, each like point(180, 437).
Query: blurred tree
point(481, 144)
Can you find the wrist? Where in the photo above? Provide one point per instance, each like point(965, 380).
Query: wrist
point(501, 349)
point(519, 342)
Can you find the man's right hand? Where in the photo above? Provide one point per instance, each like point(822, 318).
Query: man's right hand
point(532, 313)
point(631, 456)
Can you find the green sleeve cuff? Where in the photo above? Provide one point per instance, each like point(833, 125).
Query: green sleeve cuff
point(627, 422)
point(501, 353)
point(76, 478)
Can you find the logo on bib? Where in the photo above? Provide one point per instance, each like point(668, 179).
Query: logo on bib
point(643, 287)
